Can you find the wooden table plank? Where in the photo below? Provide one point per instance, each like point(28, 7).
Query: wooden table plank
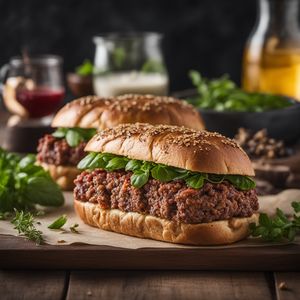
point(19, 253)
point(33, 285)
point(168, 285)
point(287, 285)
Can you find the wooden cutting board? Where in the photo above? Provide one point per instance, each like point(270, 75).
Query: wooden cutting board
point(18, 253)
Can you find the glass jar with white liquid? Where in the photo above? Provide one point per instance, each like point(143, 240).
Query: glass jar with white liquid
point(129, 63)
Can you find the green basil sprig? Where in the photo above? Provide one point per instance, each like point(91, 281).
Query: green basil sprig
point(143, 169)
point(24, 184)
point(74, 136)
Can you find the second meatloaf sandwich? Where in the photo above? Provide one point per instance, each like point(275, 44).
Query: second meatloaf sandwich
point(167, 183)
point(78, 121)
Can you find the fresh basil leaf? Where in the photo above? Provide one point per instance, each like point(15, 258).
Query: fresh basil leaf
point(43, 191)
point(60, 132)
point(133, 165)
point(195, 181)
point(73, 138)
point(296, 206)
point(215, 178)
point(58, 223)
point(163, 173)
point(139, 178)
point(27, 160)
point(147, 166)
point(86, 161)
point(117, 163)
point(241, 182)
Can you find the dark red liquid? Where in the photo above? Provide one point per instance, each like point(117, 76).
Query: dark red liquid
point(40, 102)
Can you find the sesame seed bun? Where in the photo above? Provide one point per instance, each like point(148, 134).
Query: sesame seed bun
point(147, 226)
point(101, 113)
point(198, 151)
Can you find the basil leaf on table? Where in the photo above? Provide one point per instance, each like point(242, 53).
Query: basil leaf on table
point(40, 190)
point(58, 223)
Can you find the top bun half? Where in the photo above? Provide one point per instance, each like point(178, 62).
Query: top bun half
point(101, 113)
point(198, 151)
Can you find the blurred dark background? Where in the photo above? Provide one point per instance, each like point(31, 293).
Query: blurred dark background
point(207, 35)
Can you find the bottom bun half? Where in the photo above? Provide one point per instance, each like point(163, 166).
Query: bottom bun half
point(64, 176)
point(147, 226)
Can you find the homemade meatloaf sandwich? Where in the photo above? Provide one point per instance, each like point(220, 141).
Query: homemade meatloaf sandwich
point(78, 121)
point(167, 183)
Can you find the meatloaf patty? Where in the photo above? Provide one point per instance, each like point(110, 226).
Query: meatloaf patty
point(55, 151)
point(173, 200)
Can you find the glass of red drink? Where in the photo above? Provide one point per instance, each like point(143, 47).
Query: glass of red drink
point(34, 86)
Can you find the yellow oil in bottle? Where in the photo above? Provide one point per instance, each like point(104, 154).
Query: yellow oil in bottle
point(271, 62)
point(275, 72)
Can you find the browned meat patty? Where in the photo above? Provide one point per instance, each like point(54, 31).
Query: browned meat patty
point(57, 152)
point(173, 200)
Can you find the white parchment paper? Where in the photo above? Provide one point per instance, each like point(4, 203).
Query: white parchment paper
point(95, 236)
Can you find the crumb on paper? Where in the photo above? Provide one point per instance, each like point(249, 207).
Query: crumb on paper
point(61, 241)
point(282, 286)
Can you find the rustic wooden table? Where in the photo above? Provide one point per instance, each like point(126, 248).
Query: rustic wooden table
point(64, 284)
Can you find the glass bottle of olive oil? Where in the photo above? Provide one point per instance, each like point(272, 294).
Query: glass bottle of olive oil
point(271, 60)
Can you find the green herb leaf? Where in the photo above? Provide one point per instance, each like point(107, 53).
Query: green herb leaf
point(85, 163)
point(24, 224)
point(86, 69)
point(153, 66)
point(24, 184)
point(139, 178)
point(43, 191)
point(133, 165)
point(195, 181)
point(296, 206)
point(278, 228)
point(163, 173)
point(74, 227)
point(242, 182)
point(58, 223)
point(117, 163)
point(74, 136)
point(222, 95)
point(60, 132)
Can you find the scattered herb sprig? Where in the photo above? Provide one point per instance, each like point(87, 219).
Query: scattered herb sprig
point(24, 224)
point(279, 227)
point(142, 170)
point(74, 227)
point(24, 184)
point(59, 222)
point(223, 95)
point(74, 136)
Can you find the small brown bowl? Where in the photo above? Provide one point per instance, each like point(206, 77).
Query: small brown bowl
point(80, 85)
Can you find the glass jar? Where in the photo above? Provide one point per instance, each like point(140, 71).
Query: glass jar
point(271, 60)
point(129, 63)
point(33, 88)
